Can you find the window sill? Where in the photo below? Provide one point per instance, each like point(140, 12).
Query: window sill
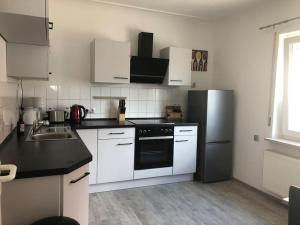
point(286, 142)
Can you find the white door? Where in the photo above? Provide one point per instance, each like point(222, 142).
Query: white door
point(115, 160)
point(185, 154)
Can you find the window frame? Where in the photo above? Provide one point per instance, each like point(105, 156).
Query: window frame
point(285, 132)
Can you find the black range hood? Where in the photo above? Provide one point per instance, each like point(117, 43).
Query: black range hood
point(144, 68)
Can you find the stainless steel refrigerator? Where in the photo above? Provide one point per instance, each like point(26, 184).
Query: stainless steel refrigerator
point(213, 110)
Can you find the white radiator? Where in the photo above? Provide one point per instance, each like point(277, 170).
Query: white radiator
point(280, 172)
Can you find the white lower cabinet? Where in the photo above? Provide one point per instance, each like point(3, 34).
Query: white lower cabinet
point(185, 154)
point(115, 160)
point(33, 199)
point(76, 195)
point(89, 138)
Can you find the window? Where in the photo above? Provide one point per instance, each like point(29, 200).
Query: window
point(286, 115)
point(291, 113)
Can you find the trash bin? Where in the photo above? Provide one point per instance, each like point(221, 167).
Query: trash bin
point(56, 220)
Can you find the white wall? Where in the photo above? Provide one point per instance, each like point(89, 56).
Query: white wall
point(243, 62)
point(78, 22)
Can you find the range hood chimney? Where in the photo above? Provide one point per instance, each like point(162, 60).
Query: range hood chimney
point(144, 68)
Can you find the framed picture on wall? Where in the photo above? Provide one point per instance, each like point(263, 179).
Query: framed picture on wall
point(199, 60)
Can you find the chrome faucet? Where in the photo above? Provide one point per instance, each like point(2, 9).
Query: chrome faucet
point(38, 124)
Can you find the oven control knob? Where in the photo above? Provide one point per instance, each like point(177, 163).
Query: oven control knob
point(166, 131)
point(170, 130)
point(140, 132)
point(144, 131)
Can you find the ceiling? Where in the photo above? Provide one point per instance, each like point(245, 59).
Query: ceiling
point(202, 9)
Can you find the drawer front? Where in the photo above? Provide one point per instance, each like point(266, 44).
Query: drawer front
point(185, 131)
point(185, 154)
point(116, 133)
point(115, 160)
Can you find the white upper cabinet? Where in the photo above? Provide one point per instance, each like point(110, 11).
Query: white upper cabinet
point(179, 71)
point(24, 21)
point(28, 7)
point(27, 61)
point(110, 61)
point(3, 74)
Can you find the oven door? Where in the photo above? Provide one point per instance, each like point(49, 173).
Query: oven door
point(153, 152)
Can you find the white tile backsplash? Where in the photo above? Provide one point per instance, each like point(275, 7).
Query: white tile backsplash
point(95, 91)
point(85, 93)
point(115, 92)
point(105, 91)
point(52, 92)
point(125, 93)
point(142, 106)
point(105, 106)
point(8, 108)
point(64, 92)
point(74, 92)
point(134, 94)
point(141, 100)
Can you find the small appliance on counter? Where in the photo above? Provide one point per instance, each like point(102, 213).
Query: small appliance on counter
point(121, 110)
point(31, 114)
point(78, 113)
point(31, 110)
point(56, 116)
point(174, 113)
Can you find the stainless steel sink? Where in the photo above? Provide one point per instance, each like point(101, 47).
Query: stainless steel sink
point(51, 133)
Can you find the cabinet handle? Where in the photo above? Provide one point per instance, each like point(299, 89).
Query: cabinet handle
point(181, 140)
point(116, 133)
point(50, 25)
point(121, 78)
point(121, 144)
point(80, 178)
point(185, 130)
point(176, 80)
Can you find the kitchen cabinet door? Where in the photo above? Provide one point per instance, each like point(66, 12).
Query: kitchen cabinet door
point(76, 195)
point(3, 74)
point(27, 61)
point(179, 70)
point(25, 21)
point(110, 61)
point(29, 7)
point(115, 160)
point(185, 154)
point(89, 138)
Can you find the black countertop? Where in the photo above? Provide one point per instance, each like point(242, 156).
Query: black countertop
point(101, 123)
point(55, 157)
point(44, 158)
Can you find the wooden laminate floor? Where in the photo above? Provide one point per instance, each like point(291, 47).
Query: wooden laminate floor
point(188, 203)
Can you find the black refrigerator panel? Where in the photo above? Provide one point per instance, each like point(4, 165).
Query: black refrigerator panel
point(219, 125)
point(217, 162)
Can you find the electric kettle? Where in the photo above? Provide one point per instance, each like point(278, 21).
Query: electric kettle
point(78, 113)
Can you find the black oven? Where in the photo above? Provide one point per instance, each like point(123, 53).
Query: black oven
point(154, 147)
